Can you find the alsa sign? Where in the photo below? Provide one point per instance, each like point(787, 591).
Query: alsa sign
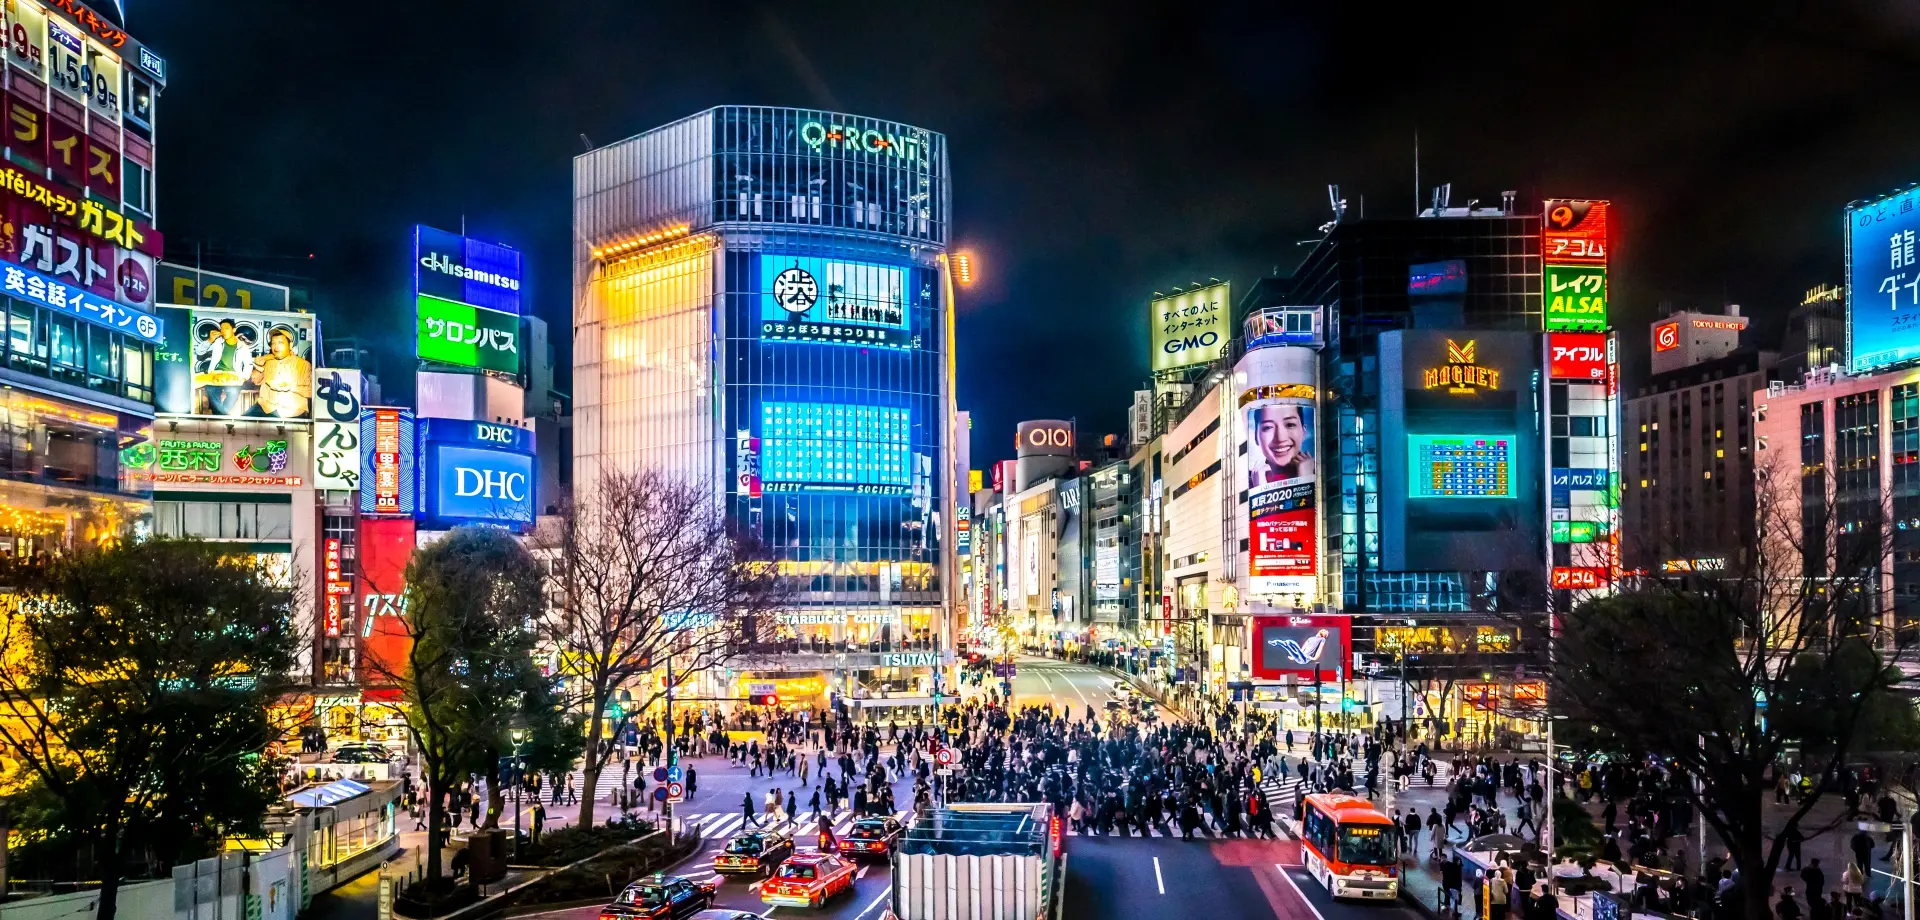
point(1577, 355)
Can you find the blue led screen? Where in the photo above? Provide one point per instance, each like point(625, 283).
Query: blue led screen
point(811, 299)
point(1883, 282)
point(808, 446)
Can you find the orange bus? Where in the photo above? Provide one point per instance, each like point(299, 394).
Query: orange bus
point(1350, 846)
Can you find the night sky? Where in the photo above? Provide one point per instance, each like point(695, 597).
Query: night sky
point(1098, 155)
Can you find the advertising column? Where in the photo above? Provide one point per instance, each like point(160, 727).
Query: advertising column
point(1583, 467)
point(1277, 405)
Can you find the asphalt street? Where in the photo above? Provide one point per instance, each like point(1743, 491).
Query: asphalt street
point(1106, 876)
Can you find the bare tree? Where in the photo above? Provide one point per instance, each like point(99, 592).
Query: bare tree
point(645, 573)
point(1727, 675)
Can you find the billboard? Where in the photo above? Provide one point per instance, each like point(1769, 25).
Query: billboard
point(384, 548)
point(452, 267)
point(336, 429)
point(1883, 283)
point(1576, 296)
point(246, 458)
point(386, 461)
point(1046, 437)
point(237, 364)
point(1281, 468)
point(834, 447)
point(1302, 646)
point(1574, 232)
point(1191, 327)
point(1472, 466)
point(1577, 356)
point(813, 299)
point(475, 473)
point(86, 305)
point(1265, 327)
point(1437, 279)
point(182, 285)
point(463, 335)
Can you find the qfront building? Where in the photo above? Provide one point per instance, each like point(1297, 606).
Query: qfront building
point(762, 303)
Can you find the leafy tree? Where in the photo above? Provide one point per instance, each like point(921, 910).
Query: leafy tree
point(1786, 653)
point(469, 669)
point(644, 570)
point(136, 681)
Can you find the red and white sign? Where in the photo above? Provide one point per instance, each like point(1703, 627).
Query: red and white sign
point(384, 548)
point(1282, 544)
point(336, 584)
point(386, 461)
point(1577, 355)
point(1578, 578)
point(1666, 336)
point(944, 756)
point(1574, 232)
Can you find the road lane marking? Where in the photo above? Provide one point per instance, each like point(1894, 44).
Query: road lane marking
point(862, 873)
point(1296, 890)
point(871, 905)
point(1157, 882)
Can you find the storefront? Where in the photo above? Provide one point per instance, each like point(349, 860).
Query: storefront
point(69, 473)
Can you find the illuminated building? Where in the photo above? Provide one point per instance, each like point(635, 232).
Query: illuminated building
point(76, 364)
point(762, 302)
point(1687, 495)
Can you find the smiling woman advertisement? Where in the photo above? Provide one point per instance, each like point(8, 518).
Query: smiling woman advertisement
point(1281, 438)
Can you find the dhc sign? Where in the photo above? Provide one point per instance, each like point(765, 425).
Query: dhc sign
point(476, 473)
point(475, 484)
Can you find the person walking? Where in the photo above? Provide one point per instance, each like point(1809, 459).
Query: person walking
point(746, 809)
point(1450, 873)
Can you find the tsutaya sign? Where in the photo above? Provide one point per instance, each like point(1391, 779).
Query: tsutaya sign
point(851, 137)
point(1461, 373)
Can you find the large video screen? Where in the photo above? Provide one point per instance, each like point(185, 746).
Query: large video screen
point(834, 447)
point(1460, 466)
point(811, 299)
point(1883, 283)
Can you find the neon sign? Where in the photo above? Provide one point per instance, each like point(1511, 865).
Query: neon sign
point(1666, 336)
point(849, 137)
point(1462, 373)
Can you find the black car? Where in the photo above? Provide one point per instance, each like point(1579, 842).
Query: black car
point(361, 752)
point(660, 897)
point(871, 837)
point(756, 853)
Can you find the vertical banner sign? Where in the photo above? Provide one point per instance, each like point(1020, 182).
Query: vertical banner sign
point(1584, 528)
point(386, 441)
point(1573, 255)
point(1278, 408)
point(746, 461)
point(336, 429)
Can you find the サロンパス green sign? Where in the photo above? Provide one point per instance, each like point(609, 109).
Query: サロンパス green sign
point(467, 336)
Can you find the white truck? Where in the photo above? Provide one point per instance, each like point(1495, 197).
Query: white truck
point(988, 860)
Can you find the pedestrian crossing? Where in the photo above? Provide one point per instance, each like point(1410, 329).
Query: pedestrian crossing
point(717, 827)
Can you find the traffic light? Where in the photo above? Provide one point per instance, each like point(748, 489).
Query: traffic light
point(764, 699)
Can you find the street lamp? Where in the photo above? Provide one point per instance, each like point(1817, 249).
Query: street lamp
point(519, 736)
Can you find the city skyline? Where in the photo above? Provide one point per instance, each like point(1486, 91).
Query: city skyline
point(1082, 192)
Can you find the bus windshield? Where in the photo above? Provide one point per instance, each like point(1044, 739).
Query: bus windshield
point(1367, 844)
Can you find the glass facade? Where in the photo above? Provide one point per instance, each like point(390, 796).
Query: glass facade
point(761, 303)
point(60, 347)
point(1813, 488)
point(1904, 422)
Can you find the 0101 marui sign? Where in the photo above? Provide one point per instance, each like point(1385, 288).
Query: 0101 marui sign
point(1302, 646)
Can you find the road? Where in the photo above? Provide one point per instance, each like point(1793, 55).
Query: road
point(1106, 876)
point(1153, 876)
